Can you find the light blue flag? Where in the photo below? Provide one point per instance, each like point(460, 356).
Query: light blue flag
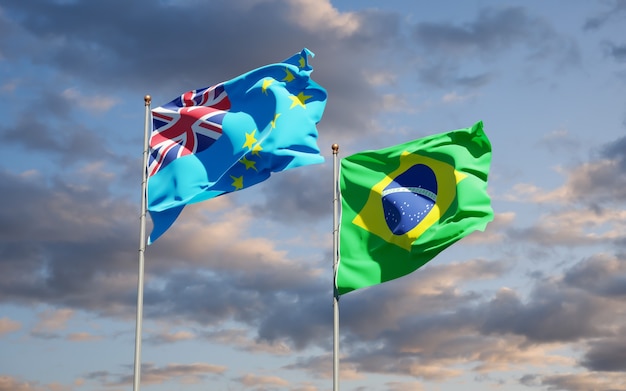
point(233, 135)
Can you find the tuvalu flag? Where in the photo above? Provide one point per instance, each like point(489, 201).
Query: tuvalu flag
point(403, 205)
point(233, 135)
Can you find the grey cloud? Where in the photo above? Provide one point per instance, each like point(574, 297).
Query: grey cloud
point(582, 382)
point(475, 81)
point(598, 183)
point(472, 328)
point(617, 52)
point(153, 374)
point(396, 302)
point(615, 8)
point(319, 366)
point(600, 276)
point(560, 141)
point(616, 151)
point(71, 242)
point(484, 38)
point(77, 255)
point(530, 380)
point(545, 238)
point(439, 74)
point(553, 314)
point(492, 30)
point(69, 142)
point(82, 243)
point(299, 196)
point(302, 321)
point(608, 355)
point(56, 245)
point(166, 49)
point(202, 297)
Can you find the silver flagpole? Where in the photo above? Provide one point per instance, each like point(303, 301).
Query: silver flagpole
point(142, 246)
point(335, 148)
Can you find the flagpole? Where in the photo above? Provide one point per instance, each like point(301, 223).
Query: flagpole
point(335, 148)
point(142, 246)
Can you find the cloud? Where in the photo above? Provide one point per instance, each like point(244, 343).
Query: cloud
point(615, 8)
point(8, 325)
point(615, 51)
point(404, 386)
point(240, 339)
point(188, 372)
point(574, 227)
point(311, 16)
point(79, 260)
point(495, 230)
point(170, 337)
point(616, 151)
point(9, 383)
point(553, 315)
point(250, 271)
point(597, 182)
point(83, 337)
point(453, 97)
point(153, 374)
point(492, 31)
point(559, 139)
point(607, 355)
point(252, 380)
point(9, 86)
point(511, 24)
point(442, 326)
point(583, 382)
point(593, 184)
point(298, 196)
point(602, 274)
point(73, 249)
point(58, 130)
point(130, 58)
point(96, 103)
point(321, 366)
point(53, 320)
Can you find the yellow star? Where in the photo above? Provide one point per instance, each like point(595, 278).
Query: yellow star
point(299, 100)
point(250, 140)
point(248, 163)
point(302, 62)
point(257, 148)
point(273, 123)
point(237, 182)
point(266, 83)
point(289, 76)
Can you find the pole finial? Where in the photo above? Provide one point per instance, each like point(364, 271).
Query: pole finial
point(335, 148)
point(147, 99)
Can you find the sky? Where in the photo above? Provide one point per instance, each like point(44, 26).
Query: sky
point(238, 293)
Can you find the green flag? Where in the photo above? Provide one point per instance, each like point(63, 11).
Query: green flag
point(403, 205)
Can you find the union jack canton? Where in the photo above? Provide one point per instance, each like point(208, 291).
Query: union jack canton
point(187, 125)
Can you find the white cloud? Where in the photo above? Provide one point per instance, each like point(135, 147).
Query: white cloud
point(311, 15)
point(251, 380)
point(95, 103)
point(83, 337)
point(454, 97)
point(53, 320)
point(8, 325)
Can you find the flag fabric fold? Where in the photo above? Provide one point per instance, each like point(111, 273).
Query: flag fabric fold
point(401, 206)
point(230, 136)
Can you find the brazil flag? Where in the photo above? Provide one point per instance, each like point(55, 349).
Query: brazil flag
point(403, 205)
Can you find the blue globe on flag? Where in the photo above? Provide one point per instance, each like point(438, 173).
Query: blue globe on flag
point(409, 198)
